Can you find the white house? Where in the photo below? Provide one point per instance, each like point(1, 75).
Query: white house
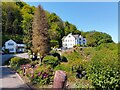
point(70, 40)
point(13, 47)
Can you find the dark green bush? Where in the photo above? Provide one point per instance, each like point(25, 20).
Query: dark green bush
point(16, 62)
point(51, 60)
point(64, 59)
point(56, 55)
point(6, 51)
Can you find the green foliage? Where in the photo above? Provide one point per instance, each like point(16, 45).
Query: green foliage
point(56, 55)
point(51, 60)
point(108, 46)
point(11, 18)
point(33, 63)
point(95, 38)
point(62, 67)
point(56, 30)
point(16, 62)
point(64, 59)
point(103, 70)
point(42, 76)
point(70, 28)
point(27, 14)
point(6, 51)
point(53, 43)
point(73, 55)
point(17, 18)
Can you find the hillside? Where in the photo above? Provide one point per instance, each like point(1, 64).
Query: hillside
point(17, 20)
point(100, 63)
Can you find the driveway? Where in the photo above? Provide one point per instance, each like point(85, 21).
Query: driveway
point(10, 79)
point(6, 57)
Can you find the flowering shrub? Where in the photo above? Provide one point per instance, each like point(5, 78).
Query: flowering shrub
point(16, 62)
point(41, 76)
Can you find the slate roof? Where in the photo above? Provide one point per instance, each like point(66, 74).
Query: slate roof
point(63, 37)
point(76, 36)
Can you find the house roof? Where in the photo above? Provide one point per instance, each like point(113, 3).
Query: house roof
point(10, 41)
point(76, 36)
point(17, 42)
point(63, 37)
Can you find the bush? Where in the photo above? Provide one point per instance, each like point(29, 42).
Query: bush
point(16, 62)
point(42, 75)
point(64, 59)
point(33, 63)
point(56, 55)
point(6, 51)
point(51, 60)
point(103, 70)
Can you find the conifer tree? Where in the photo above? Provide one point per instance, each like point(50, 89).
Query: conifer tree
point(40, 38)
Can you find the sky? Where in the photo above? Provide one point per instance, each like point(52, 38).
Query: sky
point(86, 16)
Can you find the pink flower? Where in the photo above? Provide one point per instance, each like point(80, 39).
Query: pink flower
point(39, 74)
point(32, 76)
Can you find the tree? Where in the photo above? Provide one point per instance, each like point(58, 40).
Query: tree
point(70, 28)
point(56, 31)
point(40, 38)
point(27, 14)
point(95, 38)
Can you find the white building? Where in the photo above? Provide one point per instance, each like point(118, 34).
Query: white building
point(13, 47)
point(70, 40)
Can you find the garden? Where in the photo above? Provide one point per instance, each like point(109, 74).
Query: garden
point(91, 67)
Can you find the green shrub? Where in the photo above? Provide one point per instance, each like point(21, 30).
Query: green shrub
point(56, 55)
point(64, 59)
point(33, 63)
point(103, 70)
point(6, 51)
point(62, 67)
point(51, 60)
point(16, 62)
point(42, 75)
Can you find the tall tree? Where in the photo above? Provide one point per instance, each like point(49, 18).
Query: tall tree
point(27, 14)
point(40, 37)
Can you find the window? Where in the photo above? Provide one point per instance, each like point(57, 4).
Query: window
point(11, 49)
point(10, 44)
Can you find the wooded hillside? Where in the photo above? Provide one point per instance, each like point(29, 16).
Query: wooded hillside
point(17, 18)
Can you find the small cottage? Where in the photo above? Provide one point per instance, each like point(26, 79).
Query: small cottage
point(13, 47)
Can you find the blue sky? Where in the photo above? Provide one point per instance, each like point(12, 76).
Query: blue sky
point(87, 16)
